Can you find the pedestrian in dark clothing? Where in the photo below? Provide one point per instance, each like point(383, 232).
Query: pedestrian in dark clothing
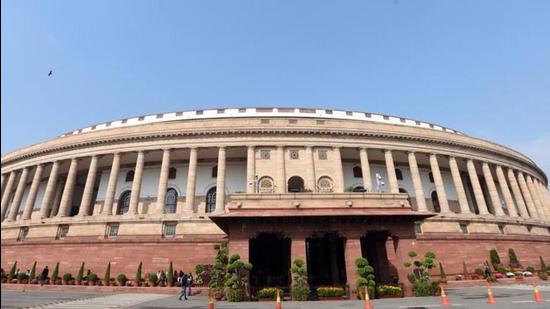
point(189, 284)
point(44, 275)
point(183, 287)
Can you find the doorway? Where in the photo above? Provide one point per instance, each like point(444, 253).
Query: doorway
point(373, 248)
point(326, 265)
point(270, 258)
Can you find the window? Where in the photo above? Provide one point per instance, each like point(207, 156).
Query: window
point(401, 190)
point(221, 111)
point(295, 184)
point(199, 112)
point(172, 173)
point(211, 200)
point(123, 204)
point(265, 154)
point(357, 172)
point(328, 111)
point(322, 154)
point(325, 184)
point(501, 228)
point(170, 201)
point(264, 121)
point(418, 228)
point(320, 122)
point(62, 231)
point(266, 185)
point(398, 174)
point(169, 229)
point(529, 228)
point(431, 177)
point(359, 189)
point(130, 176)
point(464, 228)
point(141, 118)
point(160, 116)
point(215, 171)
point(112, 230)
point(435, 202)
point(294, 154)
point(23, 232)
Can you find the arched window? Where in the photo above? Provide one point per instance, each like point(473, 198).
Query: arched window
point(170, 201)
point(359, 189)
point(435, 202)
point(130, 176)
point(325, 184)
point(357, 172)
point(431, 177)
point(398, 174)
point(211, 200)
point(215, 171)
point(123, 203)
point(172, 173)
point(295, 184)
point(265, 185)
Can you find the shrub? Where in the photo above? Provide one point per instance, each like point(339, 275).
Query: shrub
point(366, 279)
point(4, 275)
point(425, 287)
point(502, 270)
point(442, 275)
point(300, 288)
point(237, 278)
point(121, 279)
point(204, 273)
point(330, 291)
point(495, 259)
point(170, 274)
point(234, 295)
point(530, 269)
point(92, 277)
point(67, 277)
point(268, 293)
point(21, 276)
point(55, 273)
point(33, 271)
point(153, 279)
point(11, 274)
point(543, 276)
point(465, 272)
point(542, 265)
point(479, 272)
point(513, 258)
point(80, 274)
point(138, 273)
point(107, 276)
point(422, 266)
point(218, 274)
point(388, 290)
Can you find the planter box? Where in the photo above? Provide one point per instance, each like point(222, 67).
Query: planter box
point(332, 298)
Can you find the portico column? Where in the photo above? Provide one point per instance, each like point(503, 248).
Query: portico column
point(50, 190)
point(281, 177)
point(506, 192)
point(86, 200)
point(535, 197)
point(417, 183)
point(136, 184)
point(495, 200)
point(163, 181)
point(310, 170)
point(31, 198)
point(478, 193)
point(517, 194)
point(111, 185)
point(459, 186)
point(439, 186)
point(191, 181)
point(220, 181)
point(390, 168)
point(3, 182)
point(527, 196)
point(338, 171)
point(250, 170)
point(352, 252)
point(7, 194)
point(18, 194)
point(542, 198)
point(57, 196)
point(365, 169)
point(68, 191)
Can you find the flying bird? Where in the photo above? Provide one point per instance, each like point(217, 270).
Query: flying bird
point(51, 73)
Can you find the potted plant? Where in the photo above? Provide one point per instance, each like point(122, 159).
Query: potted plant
point(67, 277)
point(267, 294)
point(80, 274)
point(300, 288)
point(138, 274)
point(121, 279)
point(514, 262)
point(495, 259)
point(219, 269)
point(92, 279)
point(465, 273)
point(22, 278)
point(237, 279)
point(153, 279)
point(330, 293)
point(11, 274)
point(55, 273)
point(170, 275)
point(32, 275)
point(107, 277)
point(389, 291)
point(478, 274)
point(366, 278)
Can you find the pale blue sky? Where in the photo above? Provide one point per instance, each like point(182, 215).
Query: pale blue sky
point(482, 67)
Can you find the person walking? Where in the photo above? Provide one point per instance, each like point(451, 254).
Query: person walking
point(189, 284)
point(44, 275)
point(183, 292)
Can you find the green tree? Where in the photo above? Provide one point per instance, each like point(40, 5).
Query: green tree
point(495, 259)
point(513, 257)
point(33, 271)
point(55, 273)
point(107, 277)
point(138, 274)
point(542, 265)
point(300, 287)
point(170, 275)
point(11, 274)
point(366, 277)
point(218, 275)
point(237, 278)
point(80, 274)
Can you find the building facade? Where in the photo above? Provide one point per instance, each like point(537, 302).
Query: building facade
point(326, 186)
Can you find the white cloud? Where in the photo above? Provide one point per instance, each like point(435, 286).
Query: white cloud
point(538, 150)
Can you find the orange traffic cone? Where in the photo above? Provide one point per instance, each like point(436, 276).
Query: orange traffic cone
point(538, 297)
point(210, 300)
point(368, 304)
point(444, 299)
point(490, 297)
point(279, 305)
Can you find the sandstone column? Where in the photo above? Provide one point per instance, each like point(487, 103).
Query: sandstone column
point(68, 192)
point(544, 199)
point(191, 181)
point(220, 181)
point(478, 193)
point(250, 170)
point(352, 252)
point(439, 186)
point(281, 178)
point(3, 182)
point(18, 194)
point(136, 184)
point(86, 201)
point(50, 190)
point(506, 192)
point(527, 196)
point(517, 194)
point(310, 170)
point(365, 169)
point(495, 200)
point(417, 183)
point(7, 194)
point(459, 186)
point(535, 197)
point(338, 171)
point(31, 198)
point(57, 196)
point(111, 185)
point(163, 181)
point(390, 168)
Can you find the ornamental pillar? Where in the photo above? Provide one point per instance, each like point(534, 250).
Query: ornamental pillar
point(365, 169)
point(7, 194)
point(220, 181)
point(535, 197)
point(506, 192)
point(439, 186)
point(111, 185)
point(390, 168)
point(136, 184)
point(417, 183)
point(478, 193)
point(86, 201)
point(191, 181)
point(527, 196)
point(3, 182)
point(31, 198)
point(459, 186)
point(18, 194)
point(310, 170)
point(250, 170)
point(493, 194)
point(338, 171)
point(517, 194)
point(50, 190)
point(543, 199)
point(281, 178)
point(68, 191)
point(163, 181)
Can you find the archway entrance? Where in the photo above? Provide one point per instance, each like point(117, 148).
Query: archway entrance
point(326, 263)
point(373, 248)
point(295, 184)
point(270, 258)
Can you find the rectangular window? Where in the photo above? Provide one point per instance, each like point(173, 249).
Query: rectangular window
point(501, 228)
point(320, 122)
point(322, 153)
point(529, 228)
point(124, 121)
point(242, 110)
point(141, 118)
point(368, 115)
point(328, 111)
point(23, 232)
point(418, 228)
point(464, 228)
point(169, 229)
point(265, 154)
point(199, 112)
point(112, 230)
point(178, 114)
point(264, 121)
point(349, 113)
point(294, 154)
point(221, 111)
point(62, 231)
point(160, 116)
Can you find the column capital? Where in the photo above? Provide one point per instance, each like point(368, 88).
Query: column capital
point(386, 150)
point(166, 149)
point(222, 148)
point(251, 146)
